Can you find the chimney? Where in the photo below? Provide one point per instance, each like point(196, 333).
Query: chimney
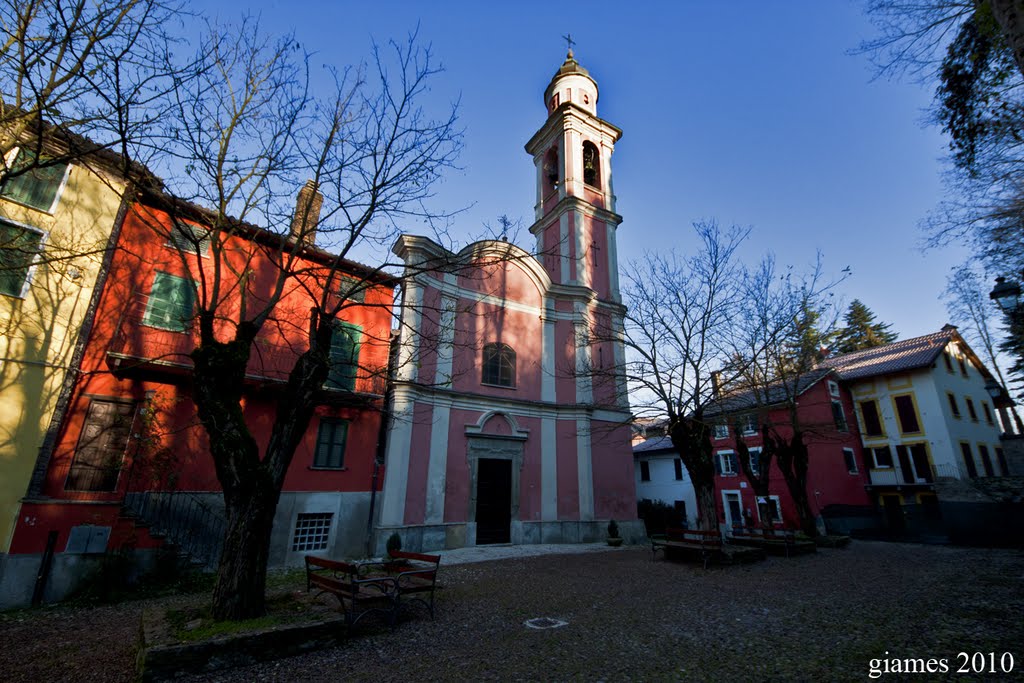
point(716, 384)
point(307, 213)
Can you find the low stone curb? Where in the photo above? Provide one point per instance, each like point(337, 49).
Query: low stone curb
point(159, 660)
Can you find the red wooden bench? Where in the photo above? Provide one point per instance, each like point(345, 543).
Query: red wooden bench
point(360, 588)
point(415, 575)
point(778, 541)
point(692, 543)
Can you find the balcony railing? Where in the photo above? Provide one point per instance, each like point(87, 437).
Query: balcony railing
point(895, 475)
point(140, 343)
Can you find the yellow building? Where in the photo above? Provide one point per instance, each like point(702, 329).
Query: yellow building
point(55, 226)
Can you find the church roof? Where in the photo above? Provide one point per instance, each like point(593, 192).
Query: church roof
point(571, 66)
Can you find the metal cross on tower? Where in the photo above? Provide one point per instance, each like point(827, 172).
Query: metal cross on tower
point(569, 42)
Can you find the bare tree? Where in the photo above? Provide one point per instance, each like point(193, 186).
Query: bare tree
point(681, 314)
point(247, 131)
point(788, 323)
point(79, 78)
point(972, 311)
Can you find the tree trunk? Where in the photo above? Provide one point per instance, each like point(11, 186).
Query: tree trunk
point(692, 441)
point(242, 572)
point(792, 457)
point(218, 376)
point(251, 483)
point(707, 512)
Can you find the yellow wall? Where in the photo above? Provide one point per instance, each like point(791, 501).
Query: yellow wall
point(38, 332)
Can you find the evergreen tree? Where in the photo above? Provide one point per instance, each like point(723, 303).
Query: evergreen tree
point(861, 331)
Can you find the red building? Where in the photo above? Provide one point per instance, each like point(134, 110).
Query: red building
point(132, 459)
point(835, 480)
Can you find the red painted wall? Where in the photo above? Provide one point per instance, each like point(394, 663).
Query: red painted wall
point(169, 448)
point(827, 472)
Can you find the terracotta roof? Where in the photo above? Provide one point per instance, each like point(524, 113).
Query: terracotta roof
point(762, 397)
point(900, 356)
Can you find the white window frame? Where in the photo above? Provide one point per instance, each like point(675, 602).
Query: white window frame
point(719, 431)
point(853, 459)
point(842, 412)
point(778, 506)
point(302, 543)
point(833, 388)
point(748, 423)
point(180, 224)
point(725, 458)
point(874, 459)
point(44, 236)
point(12, 156)
point(754, 455)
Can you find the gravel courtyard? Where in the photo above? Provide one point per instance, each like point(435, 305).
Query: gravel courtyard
point(817, 617)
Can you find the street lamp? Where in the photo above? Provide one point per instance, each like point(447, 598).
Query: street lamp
point(1006, 295)
point(994, 389)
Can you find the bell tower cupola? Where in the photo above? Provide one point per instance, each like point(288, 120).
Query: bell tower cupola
point(575, 219)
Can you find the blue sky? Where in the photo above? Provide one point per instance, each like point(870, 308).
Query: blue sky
point(749, 112)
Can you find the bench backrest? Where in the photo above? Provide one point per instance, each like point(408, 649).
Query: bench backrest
point(403, 555)
point(314, 563)
point(694, 536)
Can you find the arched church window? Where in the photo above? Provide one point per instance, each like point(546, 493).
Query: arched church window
point(551, 170)
point(591, 165)
point(499, 366)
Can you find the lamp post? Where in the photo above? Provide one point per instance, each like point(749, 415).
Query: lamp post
point(1006, 294)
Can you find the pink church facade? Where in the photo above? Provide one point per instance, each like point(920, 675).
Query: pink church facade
point(509, 423)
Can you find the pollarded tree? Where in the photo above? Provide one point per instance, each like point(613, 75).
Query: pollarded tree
point(788, 321)
point(681, 312)
point(860, 331)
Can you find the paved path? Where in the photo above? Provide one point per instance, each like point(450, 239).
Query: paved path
point(485, 553)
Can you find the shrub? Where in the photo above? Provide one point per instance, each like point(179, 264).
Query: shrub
point(394, 543)
point(658, 515)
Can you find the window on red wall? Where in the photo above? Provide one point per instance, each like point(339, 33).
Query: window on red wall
point(838, 416)
point(330, 444)
point(851, 460)
point(101, 446)
point(499, 365)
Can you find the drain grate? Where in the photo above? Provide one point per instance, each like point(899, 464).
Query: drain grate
point(544, 623)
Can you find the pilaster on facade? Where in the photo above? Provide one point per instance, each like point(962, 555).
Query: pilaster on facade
point(445, 342)
point(396, 474)
point(408, 336)
point(585, 469)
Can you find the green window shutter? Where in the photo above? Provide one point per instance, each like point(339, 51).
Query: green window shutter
point(330, 444)
point(35, 187)
point(344, 357)
point(171, 302)
point(18, 246)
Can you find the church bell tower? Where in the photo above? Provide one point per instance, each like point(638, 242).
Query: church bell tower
point(575, 220)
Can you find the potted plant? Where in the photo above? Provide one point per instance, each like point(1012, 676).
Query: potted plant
point(614, 539)
point(393, 546)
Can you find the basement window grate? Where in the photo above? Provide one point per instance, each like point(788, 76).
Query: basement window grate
point(312, 531)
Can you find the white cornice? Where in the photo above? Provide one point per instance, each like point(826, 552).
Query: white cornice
point(562, 117)
point(573, 203)
point(522, 407)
